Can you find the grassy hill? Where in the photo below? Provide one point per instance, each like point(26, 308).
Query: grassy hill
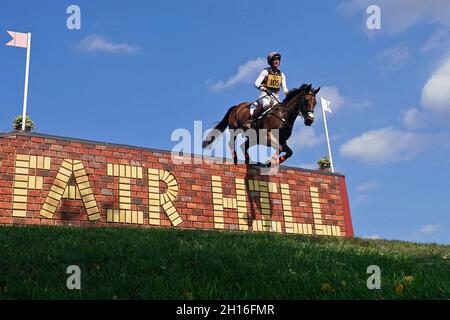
point(125, 263)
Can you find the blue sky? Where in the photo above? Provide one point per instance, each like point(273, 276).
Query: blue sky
point(138, 70)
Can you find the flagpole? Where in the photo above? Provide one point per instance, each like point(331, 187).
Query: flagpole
point(25, 94)
point(328, 138)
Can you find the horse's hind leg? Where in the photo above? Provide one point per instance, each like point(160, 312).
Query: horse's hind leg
point(271, 141)
point(244, 147)
point(247, 146)
point(232, 146)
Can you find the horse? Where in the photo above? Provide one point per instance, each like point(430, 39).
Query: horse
point(298, 102)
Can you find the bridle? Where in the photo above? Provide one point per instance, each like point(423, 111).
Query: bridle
point(304, 103)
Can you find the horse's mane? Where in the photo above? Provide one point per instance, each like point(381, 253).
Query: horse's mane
point(292, 93)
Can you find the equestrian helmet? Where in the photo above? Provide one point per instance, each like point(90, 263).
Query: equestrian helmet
point(272, 56)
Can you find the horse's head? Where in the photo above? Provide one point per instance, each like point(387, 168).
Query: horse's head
point(307, 103)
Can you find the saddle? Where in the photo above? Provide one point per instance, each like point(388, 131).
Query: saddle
point(262, 115)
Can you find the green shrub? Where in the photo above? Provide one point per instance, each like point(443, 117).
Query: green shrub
point(29, 124)
point(324, 163)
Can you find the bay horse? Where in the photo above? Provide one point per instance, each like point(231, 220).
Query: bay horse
point(298, 102)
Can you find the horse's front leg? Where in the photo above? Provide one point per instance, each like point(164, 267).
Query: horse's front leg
point(288, 153)
point(273, 142)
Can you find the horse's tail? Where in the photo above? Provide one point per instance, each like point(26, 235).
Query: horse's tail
point(221, 126)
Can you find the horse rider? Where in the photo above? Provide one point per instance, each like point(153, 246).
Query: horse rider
point(269, 82)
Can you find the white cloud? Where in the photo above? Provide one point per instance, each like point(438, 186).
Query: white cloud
point(332, 94)
point(395, 57)
point(247, 72)
point(97, 43)
point(430, 228)
point(372, 237)
point(413, 118)
point(436, 92)
point(305, 137)
point(360, 199)
point(399, 15)
point(436, 40)
point(384, 145)
point(367, 186)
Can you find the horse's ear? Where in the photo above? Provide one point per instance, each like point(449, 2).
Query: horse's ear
point(317, 90)
point(309, 87)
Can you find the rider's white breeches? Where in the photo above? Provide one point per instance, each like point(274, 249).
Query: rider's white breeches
point(265, 101)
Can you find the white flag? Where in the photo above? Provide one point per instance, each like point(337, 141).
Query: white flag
point(325, 104)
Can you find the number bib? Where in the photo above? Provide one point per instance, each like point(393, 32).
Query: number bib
point(273, 81)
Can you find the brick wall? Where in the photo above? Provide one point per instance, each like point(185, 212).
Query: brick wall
point(60, 181)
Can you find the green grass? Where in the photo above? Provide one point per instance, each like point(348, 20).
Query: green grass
point(126, 263)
